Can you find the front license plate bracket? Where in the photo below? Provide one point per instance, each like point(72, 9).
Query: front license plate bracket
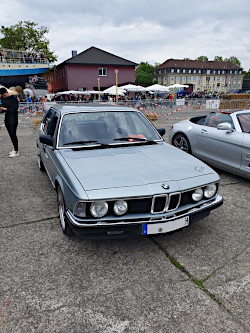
point(163, 227)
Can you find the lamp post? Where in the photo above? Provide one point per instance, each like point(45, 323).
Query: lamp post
point(116, 83)
point(98, 80)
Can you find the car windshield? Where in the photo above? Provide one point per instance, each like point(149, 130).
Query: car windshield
point(244, 120)
point(106, 127)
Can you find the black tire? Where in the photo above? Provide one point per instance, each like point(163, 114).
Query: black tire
point(180, 141)
point(40, 163)
point(65, 224)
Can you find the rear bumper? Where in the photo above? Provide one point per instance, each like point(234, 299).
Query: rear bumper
point(134, 229)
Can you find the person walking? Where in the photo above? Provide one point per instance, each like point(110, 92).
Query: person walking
point(10, 106)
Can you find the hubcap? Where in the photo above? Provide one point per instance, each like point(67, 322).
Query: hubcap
point(181, 143)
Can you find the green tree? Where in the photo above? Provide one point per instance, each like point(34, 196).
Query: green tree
point(145, 73)
point(218, 58)
point(26, 36)
point(234, 60)
point(202, 58)
point(186, 58)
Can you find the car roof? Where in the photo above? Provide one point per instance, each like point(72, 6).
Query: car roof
point(86, 107)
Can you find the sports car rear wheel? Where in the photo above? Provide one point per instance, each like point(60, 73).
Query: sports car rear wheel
point(65, 225)
point(181, 141)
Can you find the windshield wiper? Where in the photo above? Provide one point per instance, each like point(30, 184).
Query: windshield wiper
point(127, 138)
point(79, 142)
point(132, 139)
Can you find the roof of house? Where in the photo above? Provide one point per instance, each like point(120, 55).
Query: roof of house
point(197, 64)
point(95, 56)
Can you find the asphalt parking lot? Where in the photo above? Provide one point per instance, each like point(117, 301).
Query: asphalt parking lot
point(193, 280)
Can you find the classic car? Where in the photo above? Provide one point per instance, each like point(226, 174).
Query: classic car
point(116, 177)
point(221, 139)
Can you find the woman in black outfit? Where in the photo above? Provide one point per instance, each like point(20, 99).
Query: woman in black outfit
point(10, 107)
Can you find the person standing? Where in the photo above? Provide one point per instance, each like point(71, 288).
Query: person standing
point(10, 106)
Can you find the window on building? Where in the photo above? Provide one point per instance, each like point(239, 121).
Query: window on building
point(177, 79)
point(218, 71)
point(189, 71)
point(194, 78)
point(183, 71)
point(239, 72)
point(208, 71)
point(231, 72)
point(214, 71)
point(189, 78)
point(171, 78)
point(172, 70)
point(102, 71)
point(178, 70)
point(183, 79)
point(194, 71)
point(199, 71)
point(223, 72)
point(235, 72)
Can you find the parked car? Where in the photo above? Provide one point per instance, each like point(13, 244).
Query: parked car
point(221, 139)
point(116, 177)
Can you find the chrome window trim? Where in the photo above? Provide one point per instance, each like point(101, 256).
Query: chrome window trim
point(98, 145)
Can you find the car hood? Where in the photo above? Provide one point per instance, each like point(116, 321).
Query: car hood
point(132, 166)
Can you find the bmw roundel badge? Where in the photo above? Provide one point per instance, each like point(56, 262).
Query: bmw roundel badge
point(165, 186)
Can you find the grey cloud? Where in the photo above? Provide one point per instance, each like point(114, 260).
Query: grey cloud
point(141, 30)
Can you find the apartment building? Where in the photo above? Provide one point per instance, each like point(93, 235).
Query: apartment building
point(220, 76)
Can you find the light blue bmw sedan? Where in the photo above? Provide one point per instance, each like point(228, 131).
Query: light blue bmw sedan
point(115, 176)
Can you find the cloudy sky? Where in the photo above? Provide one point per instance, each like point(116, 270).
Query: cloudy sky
point(140, 30)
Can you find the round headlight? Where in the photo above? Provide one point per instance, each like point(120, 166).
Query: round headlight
point(99, 208)
point(197, 195)
point(210, 191)
point(120, 207)
point(80, 209)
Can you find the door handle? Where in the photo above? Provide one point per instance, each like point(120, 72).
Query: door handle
point(203, 131)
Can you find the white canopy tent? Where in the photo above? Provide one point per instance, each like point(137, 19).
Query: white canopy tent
point(177, 86)
point(77, 92)
point(112, 91)
point(132, 87)
point(157, 88)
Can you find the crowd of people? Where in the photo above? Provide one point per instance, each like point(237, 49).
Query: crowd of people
point(11, 56)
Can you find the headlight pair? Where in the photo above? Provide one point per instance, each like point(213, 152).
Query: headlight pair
point(100, 208)
point(208, 192)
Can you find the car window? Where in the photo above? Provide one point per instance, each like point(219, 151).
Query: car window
point(244, 121)
point(105, 127)
point(213, 119)
point(46, 121)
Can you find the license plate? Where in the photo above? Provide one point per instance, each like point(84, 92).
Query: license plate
point(161, 228)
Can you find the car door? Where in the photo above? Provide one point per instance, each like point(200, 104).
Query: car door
point(244, 122)
point(48, 127)
point(221, 148)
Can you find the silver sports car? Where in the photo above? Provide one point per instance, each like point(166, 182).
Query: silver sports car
point(221, 139)
point(116, 177)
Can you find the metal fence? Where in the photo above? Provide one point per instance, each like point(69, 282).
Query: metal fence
point(155, 107)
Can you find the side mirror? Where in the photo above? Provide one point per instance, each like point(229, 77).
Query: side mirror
point(225, 127)
point(47, 140)
point(161, 131)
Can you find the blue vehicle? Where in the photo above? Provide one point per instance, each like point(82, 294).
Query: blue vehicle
point(115, 176)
